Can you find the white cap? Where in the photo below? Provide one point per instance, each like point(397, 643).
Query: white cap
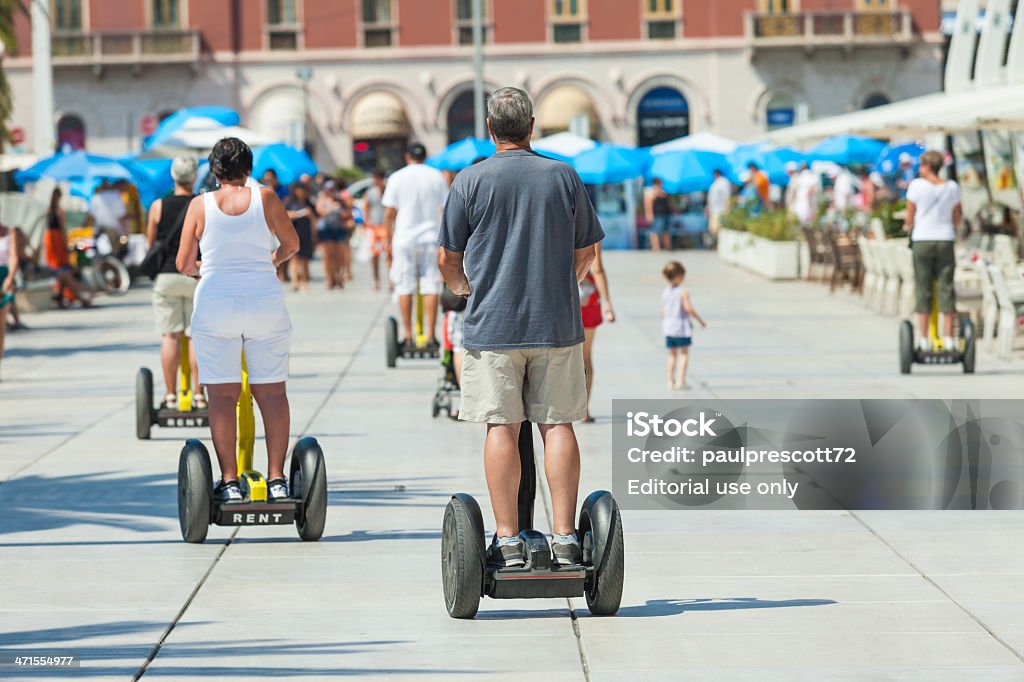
point(745, 176)
point(906, 158)
point(792, 166)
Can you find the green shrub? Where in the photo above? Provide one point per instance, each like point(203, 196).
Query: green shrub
point(775, 225)
point(893, 215)
point(736, 218)
point(349, 175)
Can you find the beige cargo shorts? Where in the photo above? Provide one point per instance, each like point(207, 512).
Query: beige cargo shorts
point(544, 385)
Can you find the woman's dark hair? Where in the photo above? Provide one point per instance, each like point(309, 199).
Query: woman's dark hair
point(300, 187)
point(231, 159)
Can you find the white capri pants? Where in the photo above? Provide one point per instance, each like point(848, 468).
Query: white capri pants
point(408, 261)
point(225, 325)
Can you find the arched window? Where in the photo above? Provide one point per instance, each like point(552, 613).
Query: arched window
point(380, 131)
point(71, 132)
point(876, 99)
point(662, 115)
point(460, 118)
point(568, 108)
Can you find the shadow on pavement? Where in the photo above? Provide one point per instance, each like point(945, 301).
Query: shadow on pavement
point(674, 607)
point(41, 503)
point(656, 608)
point(64, 351)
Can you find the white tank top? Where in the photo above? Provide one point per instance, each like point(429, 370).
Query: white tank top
point(5, 249)
point(675, 321)
point(237, 250)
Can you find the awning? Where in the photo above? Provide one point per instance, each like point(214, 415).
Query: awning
point(564, 104)
point(993, 108)
point(379, 115)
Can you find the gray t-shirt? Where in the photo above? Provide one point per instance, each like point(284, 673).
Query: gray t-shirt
point(519, 217)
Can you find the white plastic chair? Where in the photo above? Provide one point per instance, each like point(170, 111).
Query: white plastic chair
point(868, 251)
point(905, 261)
point(1006, 332)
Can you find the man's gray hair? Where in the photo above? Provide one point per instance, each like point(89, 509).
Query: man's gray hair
point(510, 111)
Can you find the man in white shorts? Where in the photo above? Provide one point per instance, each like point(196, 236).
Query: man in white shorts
point(412, 203)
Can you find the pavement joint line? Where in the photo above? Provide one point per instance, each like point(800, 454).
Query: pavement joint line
point(934, 584)
point(545, 498)
point(71, 437)
point(181, 612)
point(209, 571)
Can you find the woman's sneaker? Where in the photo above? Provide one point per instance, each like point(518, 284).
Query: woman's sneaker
point(277, 489)
point(566, 550)
point(506, 552)
point(228, 491)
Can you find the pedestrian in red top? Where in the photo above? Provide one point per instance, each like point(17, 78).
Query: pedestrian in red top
point(596, 307)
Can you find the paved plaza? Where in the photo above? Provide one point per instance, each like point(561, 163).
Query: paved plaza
point(92, 561)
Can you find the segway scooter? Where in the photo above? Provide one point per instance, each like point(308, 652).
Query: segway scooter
point(306, 505)
point(186, 415)
point(393, 347)
point(963, 354)
point(467, 576)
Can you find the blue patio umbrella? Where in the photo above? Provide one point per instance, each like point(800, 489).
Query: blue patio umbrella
point(687, 171)
point(288, 162)
point(152, 177)
point(610, 163)
point(461, 154)
point(175, 121)
point(846, 150)
point(771, 161)
point(888, 161)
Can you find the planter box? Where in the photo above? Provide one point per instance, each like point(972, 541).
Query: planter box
point(772, 260)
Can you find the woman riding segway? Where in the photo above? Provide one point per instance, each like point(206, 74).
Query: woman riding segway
point(239, 306)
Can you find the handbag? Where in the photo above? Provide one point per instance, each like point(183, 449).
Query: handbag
point(153, 264)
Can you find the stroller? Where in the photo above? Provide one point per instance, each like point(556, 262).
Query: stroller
point(447, 392)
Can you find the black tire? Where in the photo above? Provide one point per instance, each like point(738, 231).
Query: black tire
point(967, 332)
point(435, 407)
point(112, 276)
point(601, 531)
point(143, 404)
point(195, 491)
point(462, 556)
point(906, 346)
point(391, 340)
point(309, 484)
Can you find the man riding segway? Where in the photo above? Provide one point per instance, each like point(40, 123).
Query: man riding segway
point(518, 234)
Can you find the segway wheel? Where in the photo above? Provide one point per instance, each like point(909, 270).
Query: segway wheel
point(391, 340)
point(906, 346)
point(195, 491)
point(435, 407)
point(967, 332)
point(601, 531)
point(462, 556)
point(113, 276)
point(309, 484)
point(143, 403)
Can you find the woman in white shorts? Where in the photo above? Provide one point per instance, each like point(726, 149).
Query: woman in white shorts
point(239, 306)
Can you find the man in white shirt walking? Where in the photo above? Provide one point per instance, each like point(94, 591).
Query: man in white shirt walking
point(412, 203)
point(719, 196)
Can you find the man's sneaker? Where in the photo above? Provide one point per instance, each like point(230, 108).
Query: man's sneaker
point(171, 401)
point(277, 489)
point(566, 550)
point(408, 346)
point(924, 345)
point(228, 491)
point(506, 552)
point(950, 344)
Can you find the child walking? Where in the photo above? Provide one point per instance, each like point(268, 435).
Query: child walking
point(676, 311)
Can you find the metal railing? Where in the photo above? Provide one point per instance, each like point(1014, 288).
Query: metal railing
point(830, 27)
point(126, 47)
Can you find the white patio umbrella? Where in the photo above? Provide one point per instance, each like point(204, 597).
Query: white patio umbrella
point(565, 145)
point(201, 134)
point(699, 142)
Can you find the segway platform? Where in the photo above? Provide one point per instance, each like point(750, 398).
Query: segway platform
point(467, 575)
point(964, 355)
point(395, 350)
